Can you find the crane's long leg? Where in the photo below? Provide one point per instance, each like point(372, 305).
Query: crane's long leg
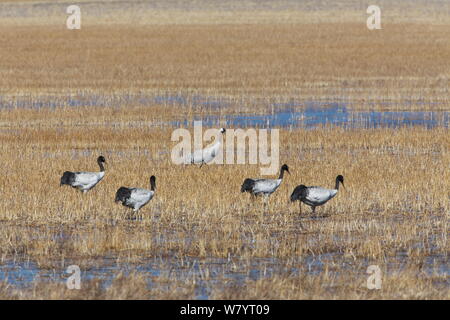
point(265, 202)
point(136, 214)
point(300, 206)
point(252, 202)
point(253, 199)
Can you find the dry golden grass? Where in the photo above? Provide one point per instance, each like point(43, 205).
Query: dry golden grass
point(403, 66)
point(394, 211)
point(204, 238)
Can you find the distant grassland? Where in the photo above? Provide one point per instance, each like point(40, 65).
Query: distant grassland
point(277, 60)
point(169, 12)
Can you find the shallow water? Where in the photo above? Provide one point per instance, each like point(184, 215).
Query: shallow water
point(22, 274)
point(210, 273)
point(315, 116)
point(293, 114)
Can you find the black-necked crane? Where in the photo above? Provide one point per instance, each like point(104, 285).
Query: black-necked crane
point(264, 187)
point(136, 198)
point(205, 155)
point(84, 181)
point(315, 196)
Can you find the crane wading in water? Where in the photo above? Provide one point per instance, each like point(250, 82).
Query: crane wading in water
point(315, 196)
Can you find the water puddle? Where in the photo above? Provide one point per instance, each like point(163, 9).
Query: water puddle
point(300, 114)
point(206, 271)
point(22, 274)
point(317, 115)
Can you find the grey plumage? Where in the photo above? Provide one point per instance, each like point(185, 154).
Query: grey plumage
point(84, 181)
point(136, 198)
point(206, 155)
point(264, 186)
point(315, 196)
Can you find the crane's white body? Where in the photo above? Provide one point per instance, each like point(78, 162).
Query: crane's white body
point(205, 155)
point(138, 198)
point(317, 196)
point(266, 186)
point(85, 181)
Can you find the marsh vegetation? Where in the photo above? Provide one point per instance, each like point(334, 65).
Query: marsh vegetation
point(120, 90)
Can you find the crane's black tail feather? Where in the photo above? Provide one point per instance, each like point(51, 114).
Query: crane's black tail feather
point(248, 185)
point(122, 194)
point(299, 193)
point(67, 178)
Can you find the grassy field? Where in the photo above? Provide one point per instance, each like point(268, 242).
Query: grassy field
point(403, 66)
point(68, 96)
point(394, 212)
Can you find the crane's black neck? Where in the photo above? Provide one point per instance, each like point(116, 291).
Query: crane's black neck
point(337, 183)
point(281, 173)
point(152, 183)
point(100, 164)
